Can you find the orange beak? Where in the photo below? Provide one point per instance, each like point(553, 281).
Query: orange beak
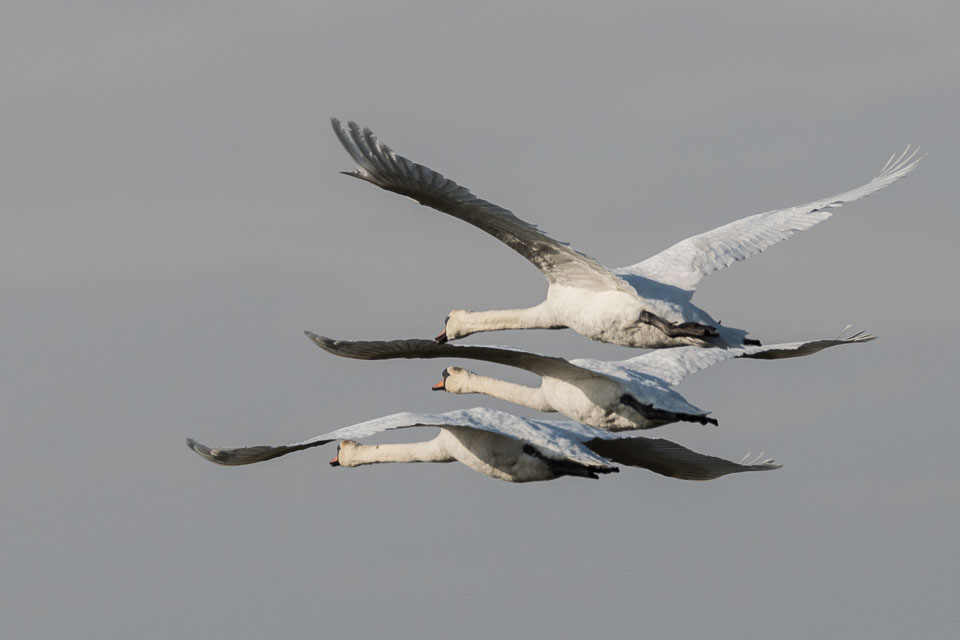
point(440, 386)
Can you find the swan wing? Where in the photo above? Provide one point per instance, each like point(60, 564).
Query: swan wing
point(684, 264)
point(671, 459)
point(391, 349)
point(378, 164)
point(549, 437)
point(673, 365)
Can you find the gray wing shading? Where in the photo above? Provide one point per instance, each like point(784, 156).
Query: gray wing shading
point(378, 164)
point(673, 365)
point(684, 264)
point(414, 349)
point(670, 459)
point(549, 437)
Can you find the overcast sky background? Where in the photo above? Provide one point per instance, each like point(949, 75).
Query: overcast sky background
point(173, 220)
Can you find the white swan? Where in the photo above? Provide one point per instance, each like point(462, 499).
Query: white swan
point(647, 304)
point(629, 394)
point(504, 446)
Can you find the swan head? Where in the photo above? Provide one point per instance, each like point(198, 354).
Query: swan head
point(344, 455)
point(453, 327)
point(454, 380)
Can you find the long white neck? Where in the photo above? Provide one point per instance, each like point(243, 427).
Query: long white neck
point(469, 382)
point(464, 323)
point(352, 454)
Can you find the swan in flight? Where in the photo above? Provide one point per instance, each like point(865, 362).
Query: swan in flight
point(504, 446)
point(647, 304)
point(615, 396)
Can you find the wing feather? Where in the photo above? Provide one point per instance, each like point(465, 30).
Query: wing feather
point(414, 348)
point(673, 365)
point(378, 164)
point(671, 459)
point(687, 262)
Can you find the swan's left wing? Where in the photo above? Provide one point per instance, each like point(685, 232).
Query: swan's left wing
point(684, 264)
point(547, 436)
point(670, 459)
point(378, 164)
point(673, 365)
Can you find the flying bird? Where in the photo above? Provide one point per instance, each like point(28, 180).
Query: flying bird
point(647, 304)
point(615, 396)
point(503, 446)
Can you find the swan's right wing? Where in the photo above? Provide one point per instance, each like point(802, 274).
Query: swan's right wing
point(673, 365)
point(684, 264)
point(390, 349)
point(378, 164)
point(547, 436)
point(670, 459)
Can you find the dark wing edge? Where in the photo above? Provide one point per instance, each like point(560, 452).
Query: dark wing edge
point(426, 349)
point(248, 455)
point(809, 348)
point(671, 459)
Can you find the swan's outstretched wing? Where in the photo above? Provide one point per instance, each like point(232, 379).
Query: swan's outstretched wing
point(378, 164)
point(549, 437)
point(684, 264)
point(673, 365)
point(670, 459)
point(390, 349)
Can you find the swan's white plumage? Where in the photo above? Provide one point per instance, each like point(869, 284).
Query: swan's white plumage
point(608, 305)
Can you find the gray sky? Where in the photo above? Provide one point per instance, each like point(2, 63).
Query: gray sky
point(174, 219)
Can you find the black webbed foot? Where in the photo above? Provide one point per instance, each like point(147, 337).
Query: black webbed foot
point(682, 330)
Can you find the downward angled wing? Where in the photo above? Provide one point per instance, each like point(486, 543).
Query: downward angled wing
point(387, 350)
point(684, 264)
point(670, 459)
point(547, 436)
point(673, 365)
point(379, 165)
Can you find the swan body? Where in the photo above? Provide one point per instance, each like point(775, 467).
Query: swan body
point(636, 393)
point(503, 446)
point(647, 304)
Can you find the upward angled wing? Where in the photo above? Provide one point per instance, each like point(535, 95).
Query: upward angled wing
point(684, 264)
point(548, 436)
point(378, 164)
point(387, 350)
point(673, 365)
